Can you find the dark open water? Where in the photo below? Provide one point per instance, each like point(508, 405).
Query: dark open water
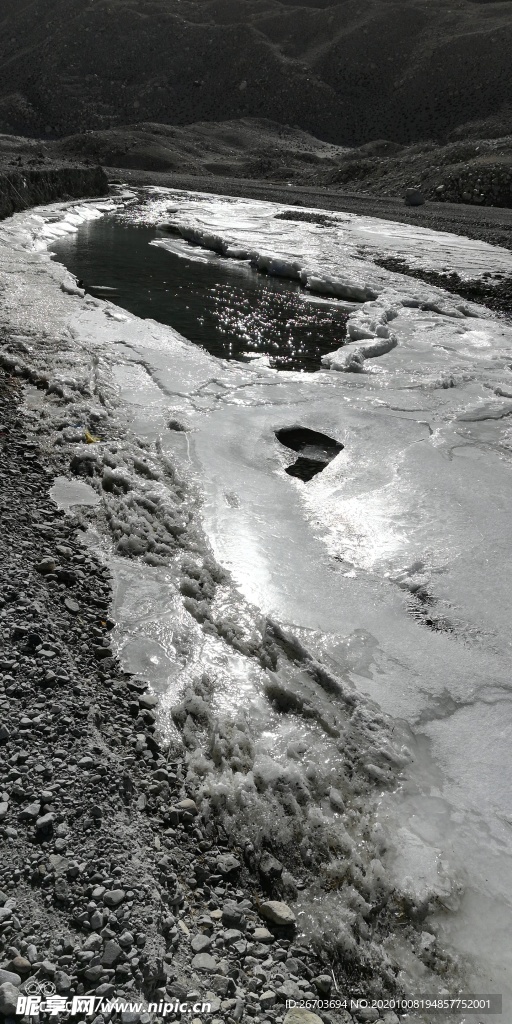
point(228, 308)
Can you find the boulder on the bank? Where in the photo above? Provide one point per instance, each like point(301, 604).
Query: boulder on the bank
point(414, 197)
point(278, 913)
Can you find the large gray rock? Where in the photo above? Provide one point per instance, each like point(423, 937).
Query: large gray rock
point(111, 953)
point(226, 863)
point(414, 197)
point(9, 977)
point(8, 999)
point(323, 984)
point(278, 913)
point(263, 935)
point(113, 897)
point(299, 1016)
point(200, 943)
point(269, 867)
point(204, 962)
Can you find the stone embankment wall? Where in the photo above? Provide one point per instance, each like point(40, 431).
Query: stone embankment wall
point(20, 189)
point(486, 185)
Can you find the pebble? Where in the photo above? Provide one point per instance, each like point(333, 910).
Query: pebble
point(263, 935)
point(269, 867)
point(46, 566)
point(227, 864)
point(267, 999)
point(300, 1016)
point(200, 943)
point(111, 953)
point(113, 897)
point(204, 962)
point(62, 981)
point(189, 806)
point(20, 965)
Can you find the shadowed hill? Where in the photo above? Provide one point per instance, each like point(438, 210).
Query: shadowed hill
point(346, 72)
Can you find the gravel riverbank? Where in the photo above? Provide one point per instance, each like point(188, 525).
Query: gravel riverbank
point(111, 884)
point(486, 224)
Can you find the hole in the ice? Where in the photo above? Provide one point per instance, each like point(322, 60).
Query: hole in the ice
point(316, 450)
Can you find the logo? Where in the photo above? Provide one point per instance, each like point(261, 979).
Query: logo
point(33, 987)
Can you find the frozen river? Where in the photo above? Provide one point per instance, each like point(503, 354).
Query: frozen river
point(335, 651)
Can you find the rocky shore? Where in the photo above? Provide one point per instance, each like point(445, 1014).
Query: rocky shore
point(111, 884)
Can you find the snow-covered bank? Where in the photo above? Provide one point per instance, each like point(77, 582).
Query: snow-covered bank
point(383, 578)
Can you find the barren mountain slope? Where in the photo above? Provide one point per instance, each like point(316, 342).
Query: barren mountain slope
point(347, 72)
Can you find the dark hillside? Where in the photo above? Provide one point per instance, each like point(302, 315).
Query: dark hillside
point(346, 72)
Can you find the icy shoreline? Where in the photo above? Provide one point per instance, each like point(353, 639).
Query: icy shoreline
point(143, 506)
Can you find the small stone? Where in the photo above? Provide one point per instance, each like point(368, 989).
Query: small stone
point(222, 985)
point(105, 990)
point(278, 913)
point(72, 606)
point(267, 999)
point(44, 825)
point(9, 995)
point(20, 965)
point(300, 1016)
point(414, 197)
point(94, 973)
point(4, 807)
point(111, 953)
point(30, 812)
point(86, 762)
point(289, 990)
point(148, 701)
point(226, 864)
point(96, 920)
point(46, 566)
point(323, 984)
point(232, 915)
point(9, 978)
point(62, 981)
point(189, 806)
point(200, 943)
point(263, 935)
point(113, 897)
point(204, 962)
point(269, 867)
